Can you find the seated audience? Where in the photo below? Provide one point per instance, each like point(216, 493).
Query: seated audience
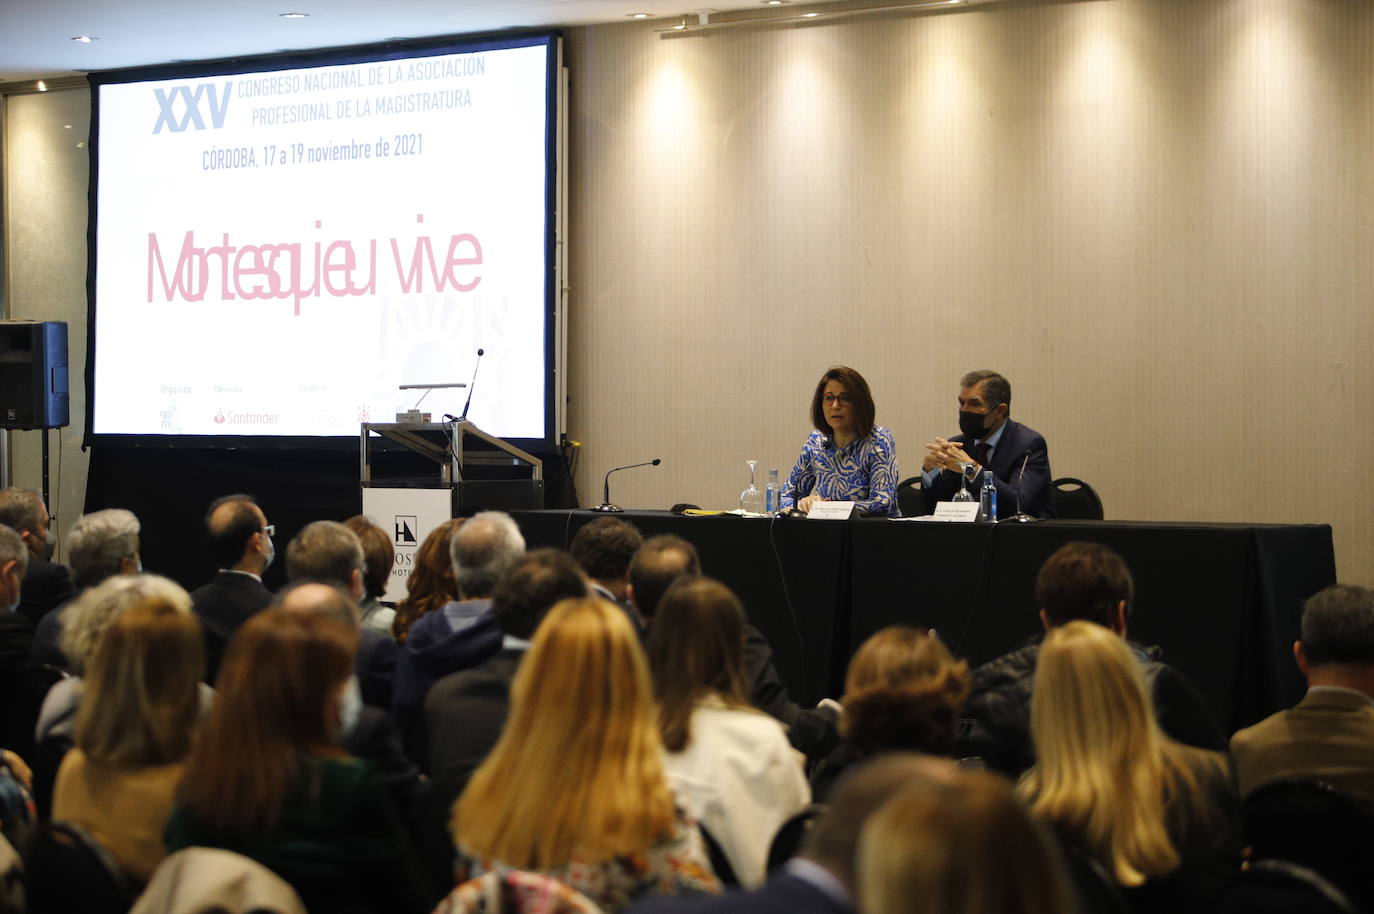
point(379, 553)
point(903, 691)
point(268, 779)
point(431, 584)
point(1161, 818)
point(729, 764)
point(134, 729)
point(665, 558)
point(101, 544)
point(1329, 735)
point(575, 787)
point(1079, 581)
point(959, 846)
point(241, 545)
point(328, 552)
point(47, 585)
point(16, 631)
point(820, 879)
point(604, 548)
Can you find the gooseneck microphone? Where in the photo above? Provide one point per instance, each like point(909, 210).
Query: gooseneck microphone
point(606, 507)
point(472, 386)
point(1021, 517)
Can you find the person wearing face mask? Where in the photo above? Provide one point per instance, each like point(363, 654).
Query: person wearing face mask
point(47, 585)
point(988, 439)
point(846, 457)
point(16, 632)
point(241, 543)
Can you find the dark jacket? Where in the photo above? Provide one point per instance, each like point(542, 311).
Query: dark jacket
point(995, 725)
point(222, 606)
point(812, 731)
point(46, 586)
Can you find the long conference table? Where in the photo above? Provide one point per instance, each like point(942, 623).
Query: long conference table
point(1222, 601)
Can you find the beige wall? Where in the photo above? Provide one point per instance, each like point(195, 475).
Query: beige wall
point(1153, 215)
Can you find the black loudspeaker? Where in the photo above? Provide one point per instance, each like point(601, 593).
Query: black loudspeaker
point(33, 375)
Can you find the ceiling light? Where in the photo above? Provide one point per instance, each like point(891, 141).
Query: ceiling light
point(639, 15)
point(294, 15)
point(84, 39)
point(810, 15)
point(42, 86)
point(776, 2)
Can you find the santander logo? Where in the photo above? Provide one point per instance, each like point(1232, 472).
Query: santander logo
point(219, 417)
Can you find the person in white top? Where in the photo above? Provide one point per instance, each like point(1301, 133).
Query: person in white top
point(729, 764)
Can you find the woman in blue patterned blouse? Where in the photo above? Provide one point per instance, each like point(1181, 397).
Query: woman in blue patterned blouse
point(847, 457)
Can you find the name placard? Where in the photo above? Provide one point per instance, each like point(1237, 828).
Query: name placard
point(956, 512)
point(832, 510)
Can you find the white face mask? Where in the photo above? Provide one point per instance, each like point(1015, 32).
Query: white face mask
point(270, 554)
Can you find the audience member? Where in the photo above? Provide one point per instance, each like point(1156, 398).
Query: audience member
point(729, 764)
point(268, 779)
point(821, 878)
point(328, 552)
point(1161, 818)
point(241, 545)
point(1079, 581)
point(379, 553)
point(431, 584)
point(903, 691)
point(47, 585)
point(102, 544)
point(1329, 735)
point(941, 847)
point(133, 732)
point(16, 631)
point(661, 561)
point(461, 634)
point(604, 548)
point(575, 787)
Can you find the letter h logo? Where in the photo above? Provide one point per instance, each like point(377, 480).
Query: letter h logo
point(190, 108)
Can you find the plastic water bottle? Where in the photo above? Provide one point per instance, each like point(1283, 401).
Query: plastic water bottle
point(772, 495)
point(987, 499)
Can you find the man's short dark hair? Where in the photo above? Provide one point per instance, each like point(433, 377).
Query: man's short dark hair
point(658, 563)
point(540, 579)
point(21, 509)
point(326, 551)
point(605, 546)
point(1338, 625)
point(1083, 581)
point(229, 534)
point(379, 553)
point(996, 389)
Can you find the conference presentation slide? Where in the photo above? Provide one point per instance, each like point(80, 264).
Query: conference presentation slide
point(278, 251)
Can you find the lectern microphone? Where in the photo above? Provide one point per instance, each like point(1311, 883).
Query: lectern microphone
point(606, 507)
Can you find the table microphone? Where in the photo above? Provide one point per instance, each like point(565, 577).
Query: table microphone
point(473, 385)
point(606, 507)
point(1020, 516)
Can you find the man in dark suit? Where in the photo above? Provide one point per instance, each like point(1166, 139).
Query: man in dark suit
point(821, 878)
point(1329, 735)
point(328, 552)
point(241, 543)
point(47, 585)
point(16, 631)
point(989, 440)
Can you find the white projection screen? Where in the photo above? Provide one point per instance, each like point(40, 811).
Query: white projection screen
point(279, 244)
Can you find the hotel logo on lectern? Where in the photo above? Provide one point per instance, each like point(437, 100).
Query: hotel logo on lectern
point(406, 525)
point(190, 111)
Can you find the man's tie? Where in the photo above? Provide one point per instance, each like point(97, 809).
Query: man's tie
point(982, 454)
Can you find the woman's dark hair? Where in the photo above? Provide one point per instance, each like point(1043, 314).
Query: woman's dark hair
point(378, 553)
point(432, 583)
point(861, 401)
point(276, 687)
point(696, 650)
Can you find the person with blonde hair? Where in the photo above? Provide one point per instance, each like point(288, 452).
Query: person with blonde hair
point(903, 691)
point(575, 787)
point(958, 845)
point(730, 763)
point(1109, 782)
point(134, 729)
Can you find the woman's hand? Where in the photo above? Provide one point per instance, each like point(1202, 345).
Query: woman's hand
point(805, 504)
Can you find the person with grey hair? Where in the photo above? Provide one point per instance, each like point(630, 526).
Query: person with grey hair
point(101, 545)
point(1329, 735)
point(328, 552)
point(989, 440)
point(47, 584)
point(483, 551)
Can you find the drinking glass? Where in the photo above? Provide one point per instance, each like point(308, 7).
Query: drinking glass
point(751, 499)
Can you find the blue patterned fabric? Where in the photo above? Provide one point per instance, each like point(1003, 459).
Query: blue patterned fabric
point(863, 471)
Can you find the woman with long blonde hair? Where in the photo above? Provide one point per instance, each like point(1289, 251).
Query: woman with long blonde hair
point(575, 787)
point(1107, 779)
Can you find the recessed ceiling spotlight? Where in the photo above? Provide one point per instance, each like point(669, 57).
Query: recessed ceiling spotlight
point(639, 15)
point(776, 2)
point(66, 126)
point(810, 15)
point(84, 39)
point(41, 86)
point(294, 15)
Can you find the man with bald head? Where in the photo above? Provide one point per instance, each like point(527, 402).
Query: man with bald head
point(241, 542)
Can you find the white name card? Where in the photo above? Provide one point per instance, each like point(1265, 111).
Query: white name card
point(956, 512)
point(832, 510)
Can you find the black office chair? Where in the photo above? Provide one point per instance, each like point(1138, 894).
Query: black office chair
point(719, 862)
point(1281, 887)
point(1074, 499)
point(66, 870)
point(788, 840)
point(910, 500)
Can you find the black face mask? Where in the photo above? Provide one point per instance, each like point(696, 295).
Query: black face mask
point(971, 424)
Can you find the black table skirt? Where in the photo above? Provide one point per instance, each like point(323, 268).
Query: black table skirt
point(1223, 601)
